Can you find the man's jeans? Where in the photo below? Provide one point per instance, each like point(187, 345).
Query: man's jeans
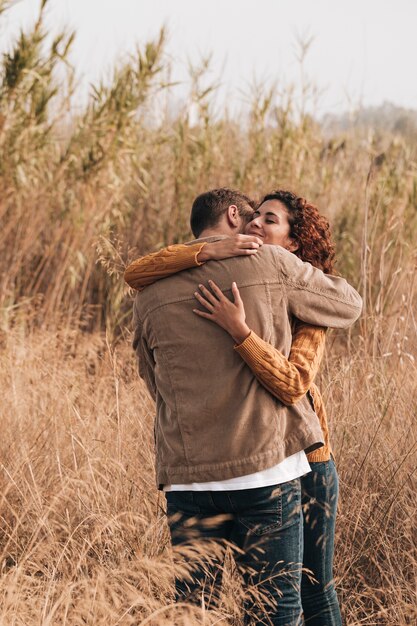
point(264, 525)
point(320, 489)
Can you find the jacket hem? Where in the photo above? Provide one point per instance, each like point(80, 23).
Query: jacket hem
point(182, 474)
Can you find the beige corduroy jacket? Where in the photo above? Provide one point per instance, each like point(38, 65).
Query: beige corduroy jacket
point(214, 420)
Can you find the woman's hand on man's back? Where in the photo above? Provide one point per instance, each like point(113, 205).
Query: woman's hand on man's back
point(219, 309)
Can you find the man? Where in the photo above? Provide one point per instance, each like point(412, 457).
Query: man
point(229, 454)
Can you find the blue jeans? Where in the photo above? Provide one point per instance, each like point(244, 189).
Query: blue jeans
point(264, 525)
point(320, 490)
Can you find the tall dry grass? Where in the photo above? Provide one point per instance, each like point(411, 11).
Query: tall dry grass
point(83, 537)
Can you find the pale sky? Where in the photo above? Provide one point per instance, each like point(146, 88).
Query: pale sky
point(363, 50)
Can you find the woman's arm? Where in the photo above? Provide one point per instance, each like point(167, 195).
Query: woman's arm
point(148, 269)
point(287, 379)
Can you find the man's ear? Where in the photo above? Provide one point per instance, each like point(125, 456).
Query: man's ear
point(233, 217)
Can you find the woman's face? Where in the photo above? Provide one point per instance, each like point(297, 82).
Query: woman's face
point(270, 223)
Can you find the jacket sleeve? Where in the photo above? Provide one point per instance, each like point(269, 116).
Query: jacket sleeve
point(146, 362)
point(314, 297)
point(148, 269)
point(287, 379)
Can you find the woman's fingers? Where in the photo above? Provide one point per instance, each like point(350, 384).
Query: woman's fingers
point(209, 295)
point(216, 290)
point(216, 295)
point(246, 251)
point(247, 245)
point(236, 293)
point(237, 245)
point(203, 301)
point(220, 295)
point(249, 241)
point(202, 314)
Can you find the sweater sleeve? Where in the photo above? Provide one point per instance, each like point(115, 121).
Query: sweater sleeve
point(287, 379)
point(146, 270)
point(321, 454)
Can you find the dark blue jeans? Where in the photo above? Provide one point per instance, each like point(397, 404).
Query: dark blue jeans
point(320, 490)
point(263, 525)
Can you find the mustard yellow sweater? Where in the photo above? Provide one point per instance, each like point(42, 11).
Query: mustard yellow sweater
point(287, 379)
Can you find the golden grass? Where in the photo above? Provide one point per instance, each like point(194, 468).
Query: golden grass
point(84, 537)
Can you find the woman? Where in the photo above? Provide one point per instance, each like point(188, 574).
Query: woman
point(291, 222)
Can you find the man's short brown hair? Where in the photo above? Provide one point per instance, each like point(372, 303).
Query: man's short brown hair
point(208, 208)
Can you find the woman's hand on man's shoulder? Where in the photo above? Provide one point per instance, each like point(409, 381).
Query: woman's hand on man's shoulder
point(237, 245)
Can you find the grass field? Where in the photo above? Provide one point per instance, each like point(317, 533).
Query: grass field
point(83, 537)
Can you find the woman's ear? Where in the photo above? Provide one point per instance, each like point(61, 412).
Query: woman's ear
point(292, 246)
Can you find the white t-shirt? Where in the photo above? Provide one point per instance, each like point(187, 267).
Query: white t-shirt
point(292, 467)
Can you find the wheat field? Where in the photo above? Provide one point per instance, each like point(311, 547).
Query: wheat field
point(83, 535)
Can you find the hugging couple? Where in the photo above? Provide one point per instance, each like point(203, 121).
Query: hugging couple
point(229, 344)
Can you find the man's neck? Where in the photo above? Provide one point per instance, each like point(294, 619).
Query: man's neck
point(217, 231)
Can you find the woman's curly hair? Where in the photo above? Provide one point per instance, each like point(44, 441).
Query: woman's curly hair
point(309, 229)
